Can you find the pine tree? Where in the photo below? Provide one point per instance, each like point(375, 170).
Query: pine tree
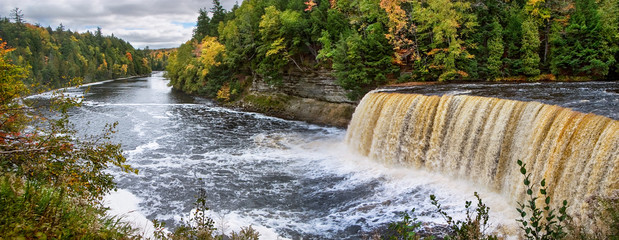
point(17, 15)
point(495, 50)
point(530, 47)
point(219, 14)
point(583, 48)
point(202, 26)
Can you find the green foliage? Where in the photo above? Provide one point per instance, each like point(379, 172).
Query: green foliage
point(495, 51)
point(360, 63)
point(34, 209)
point(202, 25)
point(471, 227)
point(51, 180)
point(445, 23)
point(364, 42)
point(52, 58)
point(543, 223)
point(530, 46)
point(199, 68)
point(208, 26)
point(407, 228)
point(200, 226)
point(362, 58)
point(583, 48)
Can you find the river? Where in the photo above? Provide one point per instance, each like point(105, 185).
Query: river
point(288, 179)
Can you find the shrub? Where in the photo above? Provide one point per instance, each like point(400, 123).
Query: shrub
point(50, 179)
point(405, 229)
point(543, 223)
point(200, 226)
point(472, 227)
point(33, 209)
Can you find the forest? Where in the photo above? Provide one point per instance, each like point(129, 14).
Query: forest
point(371, 42)
point(54, 57)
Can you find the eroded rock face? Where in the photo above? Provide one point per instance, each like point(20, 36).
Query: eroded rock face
point(312, 97)
point(319, 85)
point(298, 108)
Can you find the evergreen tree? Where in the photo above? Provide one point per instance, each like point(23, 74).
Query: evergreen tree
point(530, 47)
point(202, 26)
point(512, 38)
point(495, 51)
point(17, 15)
point(583, 49)
point(219, 14)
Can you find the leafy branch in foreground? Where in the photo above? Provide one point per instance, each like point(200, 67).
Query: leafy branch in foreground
point(407, 228)
point(543, 223)
point(472, 227)
point(50, 178)
point(201, 226)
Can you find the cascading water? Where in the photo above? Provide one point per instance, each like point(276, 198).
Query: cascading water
point(295, 180)
point(480, 139)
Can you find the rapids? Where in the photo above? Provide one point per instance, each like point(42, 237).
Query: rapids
point(287, 179)
point(481, 138)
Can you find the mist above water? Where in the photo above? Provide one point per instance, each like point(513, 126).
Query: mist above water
point(285, 178)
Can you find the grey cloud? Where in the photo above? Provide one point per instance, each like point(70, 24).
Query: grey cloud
point(152, 23)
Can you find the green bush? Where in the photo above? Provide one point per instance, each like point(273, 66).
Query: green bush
point(30, 209)
point(200, 226)
point(405, 229)
point(473, 227)
point(543, 223)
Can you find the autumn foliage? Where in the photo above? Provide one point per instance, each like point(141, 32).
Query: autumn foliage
point(50, 178)
point(367, 43)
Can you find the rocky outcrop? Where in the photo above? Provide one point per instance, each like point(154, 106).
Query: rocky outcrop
point(319, 85)
point(312, 97)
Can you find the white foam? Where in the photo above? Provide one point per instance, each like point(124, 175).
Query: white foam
point(145, 147)
point(398, 181)
point(228, 222)
point(123, 204)
point(458, 92)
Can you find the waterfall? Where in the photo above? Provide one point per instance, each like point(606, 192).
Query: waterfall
point(480, 139)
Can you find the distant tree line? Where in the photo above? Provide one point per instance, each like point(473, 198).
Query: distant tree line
point(372, 42)
point(53, 57)
point(158, 58)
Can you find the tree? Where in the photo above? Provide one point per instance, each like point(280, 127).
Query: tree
point(402, 33)
point(219, 14)
point(17, 15)
point(31, 143)
point(448, 22)
point(530, 46)
point(51, 180)
point(361, 63)
point(583, 48)
point(202, 26)
point(495, 51)
point(360, 52)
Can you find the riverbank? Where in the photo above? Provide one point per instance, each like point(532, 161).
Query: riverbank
point(313, 97)
point(52, 91)
point(297, 108)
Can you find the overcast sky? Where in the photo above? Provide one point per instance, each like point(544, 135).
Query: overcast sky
point(153, 23)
